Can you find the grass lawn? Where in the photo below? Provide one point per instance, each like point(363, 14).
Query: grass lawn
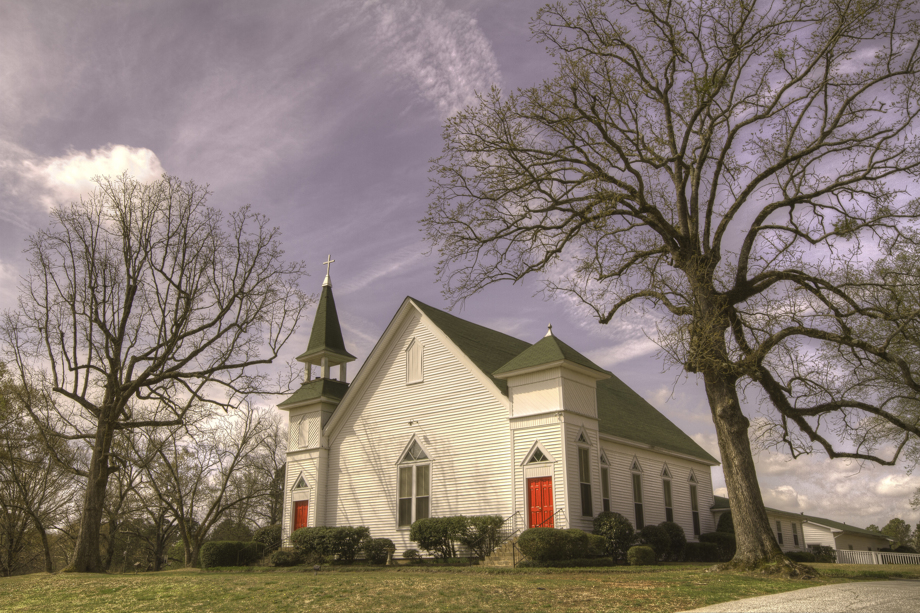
point(411, 589)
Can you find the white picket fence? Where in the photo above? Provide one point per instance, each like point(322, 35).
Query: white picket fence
point(846, 556)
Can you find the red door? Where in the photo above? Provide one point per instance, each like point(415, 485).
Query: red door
point(301, 509)
point(540, 490)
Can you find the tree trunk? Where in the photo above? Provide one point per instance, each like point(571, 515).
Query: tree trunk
point(755, 540)
point(86, 558)
point(46, 547)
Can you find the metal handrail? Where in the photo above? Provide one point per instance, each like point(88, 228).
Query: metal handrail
point(556, 512)
point(502, 535)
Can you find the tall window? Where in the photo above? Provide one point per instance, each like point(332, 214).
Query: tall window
point(779, 532)
point(414, 486)
point(605, 482)
point(795, 535)
point(695, 509)
point(637, 500)
point(668, 509)
point(584, 475)
point(666, 486)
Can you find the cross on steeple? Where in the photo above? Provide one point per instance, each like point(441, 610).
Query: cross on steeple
point(328, 263)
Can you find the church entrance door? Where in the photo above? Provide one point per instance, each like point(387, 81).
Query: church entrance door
point(301, 510)
point(540, 493)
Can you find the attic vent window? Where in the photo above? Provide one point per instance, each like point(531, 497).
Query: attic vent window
point(665, 473)
point(301, 483)
point(692, 477)
point(415, 354)
point(635, 466)
point(538, 456)
point(582, 439)
point(604, 459)
point(415, 453)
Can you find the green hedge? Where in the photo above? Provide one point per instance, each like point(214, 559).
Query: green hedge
point(640, 555)
point(575, 563)
point(678, 539)
point(617, 532)
point(824, 554)
point(230, 553)
point(375, 550)
point(439, 535)
point(801, 556)
point(552, 545)
point(286, 557)
point(726, 523)
point(481, 533)
point(701, 552)
point(658, 539)
point(269, 537)
point(326, 543)
point(724, 541)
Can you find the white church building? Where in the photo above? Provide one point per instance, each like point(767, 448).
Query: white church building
point(447, 417)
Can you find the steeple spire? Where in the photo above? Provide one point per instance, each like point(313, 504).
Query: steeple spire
point(326, 347)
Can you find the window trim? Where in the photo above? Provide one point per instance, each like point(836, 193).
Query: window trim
point(638, 499)
point(530, 452)
point(414, 465)
point(779, 531)
point(605, 488)
point(795, 534)
point(695, 502)
point(421, 362)
point(584, 471)
point(668, 494)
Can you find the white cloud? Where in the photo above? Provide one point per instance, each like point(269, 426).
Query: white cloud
point(442, 51)
point(785, 498)
point(709, 442)
point(68, 177)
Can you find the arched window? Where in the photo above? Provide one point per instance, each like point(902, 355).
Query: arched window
point(414, 485)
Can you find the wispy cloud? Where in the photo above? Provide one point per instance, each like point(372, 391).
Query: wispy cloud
point(442, 51)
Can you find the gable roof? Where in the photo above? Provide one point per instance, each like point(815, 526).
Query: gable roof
point(317, 388)
point(547, 350)
point(721, 502)
point(621, 411)
point(326, 335)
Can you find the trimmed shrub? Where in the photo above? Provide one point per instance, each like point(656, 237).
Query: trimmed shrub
point(678, 539)
point(801, 556)
point(325, 543)
point(269, 537)
point(724, 541)
point(545, 544)
point(726, 523)
point(481, 534)
point(617, 532)
point(640, 555)
point(576, 543)
point(438, 535)
point(229, 553)
point(657, 538)
point(824, 554)
point(375, 550)
point(701, 552)
point(597, 546)
point(904, 549)
point(286, 557)
point(412, 555)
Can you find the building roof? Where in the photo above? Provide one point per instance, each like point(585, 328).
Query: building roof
point(317, 388)
point(721, 502)
point(326, 335)
point(621, 411)
point(548, 350)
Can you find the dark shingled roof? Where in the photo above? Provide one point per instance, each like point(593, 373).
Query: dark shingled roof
point(721, 502)
point(621, 411)
point(547, 350)
point(326, 334)
point(316, 388)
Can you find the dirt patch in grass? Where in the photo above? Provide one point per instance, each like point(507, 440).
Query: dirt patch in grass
point(657, 589)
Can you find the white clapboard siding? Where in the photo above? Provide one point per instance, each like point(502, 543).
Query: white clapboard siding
point(461, 424)
point(818, 535)
point(621, 456)
point(573, 427)
point(305, 464)
point(785, 523)
point(579, 394)
point(546, 430)
point(536, 392)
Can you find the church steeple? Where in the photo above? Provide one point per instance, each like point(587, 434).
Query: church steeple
point(326, 347)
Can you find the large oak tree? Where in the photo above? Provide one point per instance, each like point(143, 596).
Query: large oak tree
point(727, 165)
point(142, 302)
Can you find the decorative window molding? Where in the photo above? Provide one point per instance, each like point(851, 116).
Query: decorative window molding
point(634, 466)
point(605, 485)
point(584, 477)
point(604, 461)
point(413, 483)
point(694, 505)
point(300, 483)
point(582, 438)
point(692, 478)
point(665, 472)
point(415, 359)
point(536, 454)
point(637, 500)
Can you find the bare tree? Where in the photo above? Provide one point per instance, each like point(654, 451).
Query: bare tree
point(198, 472)
point(717, 163)
point(142, 301)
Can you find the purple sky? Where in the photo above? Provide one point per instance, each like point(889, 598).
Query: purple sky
point(324, 116)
